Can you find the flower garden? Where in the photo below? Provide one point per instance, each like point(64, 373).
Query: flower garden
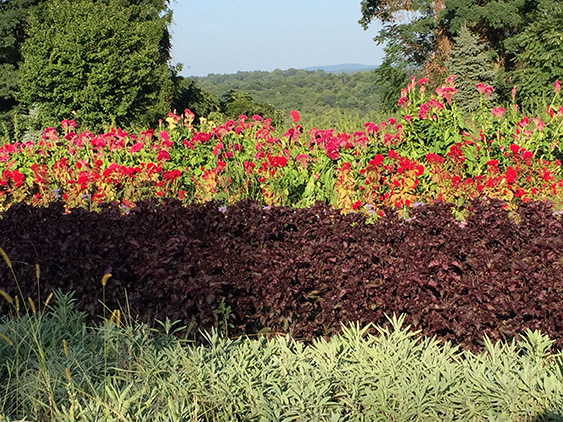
point(299, 245)
point(430, 152)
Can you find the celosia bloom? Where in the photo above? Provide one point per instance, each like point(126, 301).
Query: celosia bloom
point(163, 155)
point(136, 148)
point(303, 160)
point(510, 175)
point(434, 158)
point(488, 91)
point(295, 116)
point(498, 112)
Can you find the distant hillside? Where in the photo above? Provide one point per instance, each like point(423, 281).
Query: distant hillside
point(343, 68)
point(309, 91)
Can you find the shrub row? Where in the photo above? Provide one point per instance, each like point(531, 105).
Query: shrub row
point(303, 271)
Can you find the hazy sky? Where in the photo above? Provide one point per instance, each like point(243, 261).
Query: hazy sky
point(225, 36)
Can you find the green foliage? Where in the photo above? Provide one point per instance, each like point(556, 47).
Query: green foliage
point(186, 94)
point(97, 61)
point(469, 63)
point(235, 104)
point(356, 376)
point(13, 14)
point(539, 60)
point(422, 33)
point(313, 93)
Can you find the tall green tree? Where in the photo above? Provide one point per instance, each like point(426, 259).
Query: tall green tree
point(471, 65)
point(539, 56)
point(106, 62)
point(13, 16)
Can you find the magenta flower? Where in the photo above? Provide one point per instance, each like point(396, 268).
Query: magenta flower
point(163, 155)
point(136, 148)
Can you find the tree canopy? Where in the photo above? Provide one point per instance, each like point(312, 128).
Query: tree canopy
point(418, 36)
point(104, 61)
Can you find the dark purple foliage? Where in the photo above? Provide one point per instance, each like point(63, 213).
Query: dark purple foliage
point(303, 271)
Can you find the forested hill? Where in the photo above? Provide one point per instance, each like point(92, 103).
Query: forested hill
point(311, 92)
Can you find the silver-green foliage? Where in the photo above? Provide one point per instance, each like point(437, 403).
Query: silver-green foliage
point(126, 372)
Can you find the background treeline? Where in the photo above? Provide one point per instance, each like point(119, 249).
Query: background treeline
point(311, 92)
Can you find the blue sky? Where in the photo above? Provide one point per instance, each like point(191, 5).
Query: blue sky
point(226, 36)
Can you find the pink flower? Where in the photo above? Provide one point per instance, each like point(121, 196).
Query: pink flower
point(164, 135)
point(136, 148)
point(422, 81)
point(423, 111)
point(450, 79)
point(488, 91)
point(295, 116)
point(217, 148)
point(481, 88)
point(557, 86)
point(303, 160)
point(371, 127)
point(498, 112)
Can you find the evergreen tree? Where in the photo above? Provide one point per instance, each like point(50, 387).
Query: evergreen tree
point(106, 62)
point(471, 65)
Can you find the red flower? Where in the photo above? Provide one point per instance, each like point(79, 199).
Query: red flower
point(557, 86)
point(434, 158)
point(392, 154)
point(356, 205)
point(377, 160)
point(278, 161)
point(163, 155)
point(295, 116)
point(510, 175)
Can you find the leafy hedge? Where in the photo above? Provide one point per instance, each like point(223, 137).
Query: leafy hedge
point(303, 271)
